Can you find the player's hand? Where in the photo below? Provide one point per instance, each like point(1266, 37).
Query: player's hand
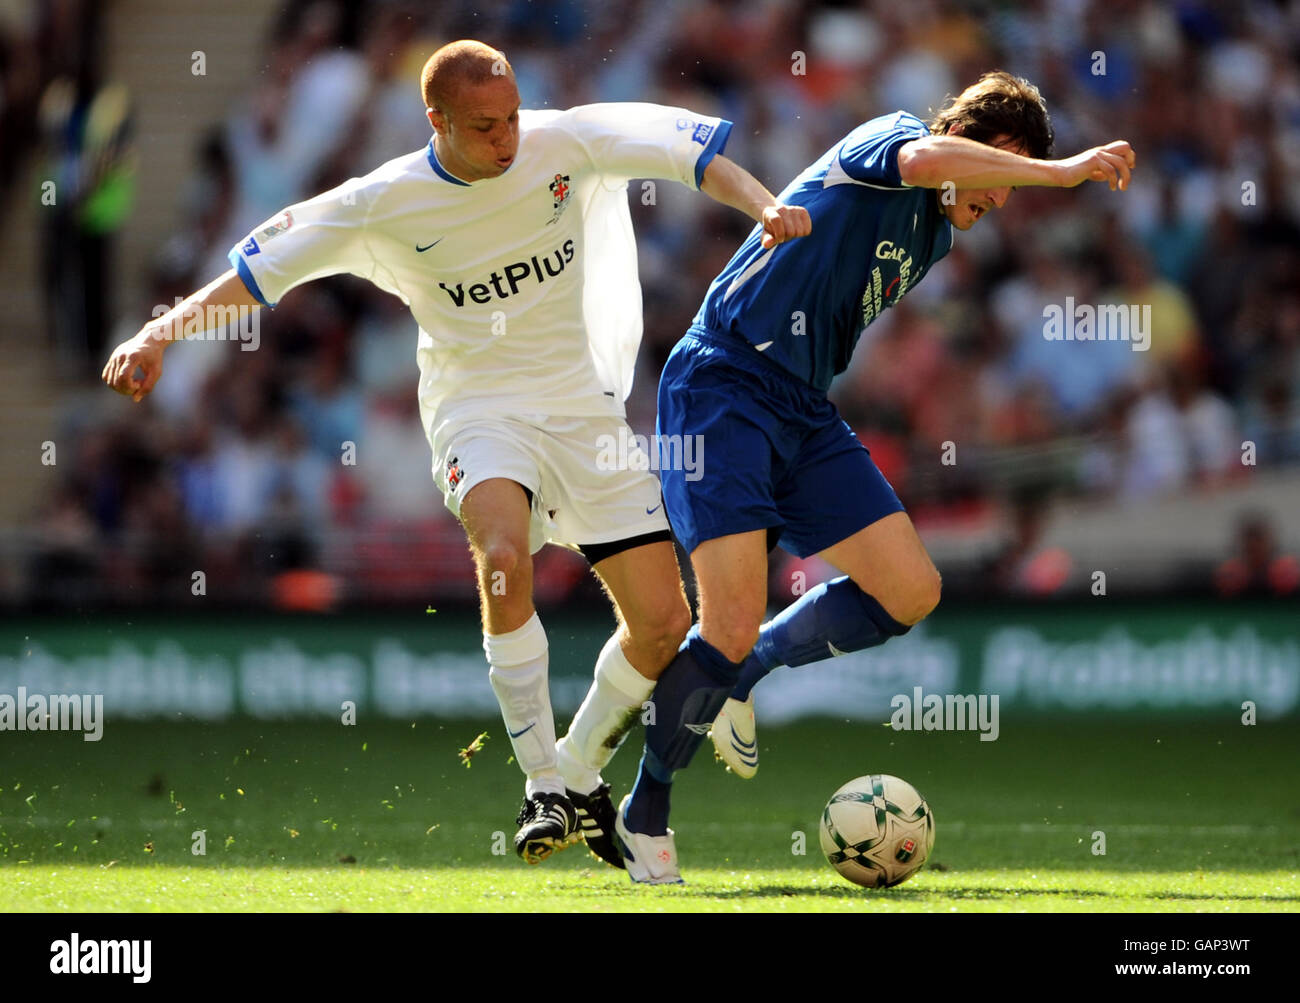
point(141, 352)
point(785, 222)
point(1112, 163)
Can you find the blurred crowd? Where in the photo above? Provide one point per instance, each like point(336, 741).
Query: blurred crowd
point(235, 465)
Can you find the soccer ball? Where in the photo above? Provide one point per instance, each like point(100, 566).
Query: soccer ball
point(877, 830)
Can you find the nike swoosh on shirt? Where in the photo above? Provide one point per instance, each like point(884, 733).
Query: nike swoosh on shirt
point(652, 511)
point(425, 248)
point(516, 734)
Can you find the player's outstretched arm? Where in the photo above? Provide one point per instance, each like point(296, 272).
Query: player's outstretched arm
point(144, 351)
point(729, 183)
point(932, 161)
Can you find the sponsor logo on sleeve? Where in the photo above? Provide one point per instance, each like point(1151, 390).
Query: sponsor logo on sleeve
point(277, 226)
point(702, 133)
point(250, 247)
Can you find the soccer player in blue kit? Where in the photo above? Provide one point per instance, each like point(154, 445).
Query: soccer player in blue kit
point(751, 377)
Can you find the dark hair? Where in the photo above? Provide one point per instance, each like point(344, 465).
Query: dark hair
point(999, 104)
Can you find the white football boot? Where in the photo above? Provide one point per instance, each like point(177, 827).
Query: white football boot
point(650, 860)
point(735, 737)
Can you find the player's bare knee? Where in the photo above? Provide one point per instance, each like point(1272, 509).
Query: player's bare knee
point(501, 559)
point(734, 640)
point(661, 634)
point(921, 598)
point(675, 625)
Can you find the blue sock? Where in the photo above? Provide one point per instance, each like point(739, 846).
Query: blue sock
point(647, 811)
point(687, 697)
point(836, 613)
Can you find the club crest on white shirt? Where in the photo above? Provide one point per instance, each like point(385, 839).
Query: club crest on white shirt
point(560, 192)
point(455, 474)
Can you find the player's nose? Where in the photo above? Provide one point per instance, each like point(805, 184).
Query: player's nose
point(999, 196)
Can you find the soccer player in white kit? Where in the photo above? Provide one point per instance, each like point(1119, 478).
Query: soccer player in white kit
point(509, 238)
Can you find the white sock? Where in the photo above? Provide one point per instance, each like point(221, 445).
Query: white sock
point(519, 678)
point(611, 709)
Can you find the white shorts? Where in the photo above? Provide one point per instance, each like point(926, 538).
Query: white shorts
point(590, 484)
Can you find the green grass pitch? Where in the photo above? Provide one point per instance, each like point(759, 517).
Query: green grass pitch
point(1198, 816)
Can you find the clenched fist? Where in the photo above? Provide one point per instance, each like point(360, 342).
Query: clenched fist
point(1112, 163)
point(785, 222)
point(141, 352)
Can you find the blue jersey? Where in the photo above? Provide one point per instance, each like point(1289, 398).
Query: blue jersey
point(805, 303)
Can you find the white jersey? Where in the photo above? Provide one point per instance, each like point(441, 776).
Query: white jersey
point(524, 286)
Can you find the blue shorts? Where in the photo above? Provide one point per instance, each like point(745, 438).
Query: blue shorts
point(773, 453)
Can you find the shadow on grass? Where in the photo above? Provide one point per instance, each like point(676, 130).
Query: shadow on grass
point(917, 895)
point(921, 896)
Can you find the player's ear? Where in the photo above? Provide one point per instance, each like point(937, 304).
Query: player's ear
point(436, 119)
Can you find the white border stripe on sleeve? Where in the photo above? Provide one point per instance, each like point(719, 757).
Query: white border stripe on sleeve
point(835, 175)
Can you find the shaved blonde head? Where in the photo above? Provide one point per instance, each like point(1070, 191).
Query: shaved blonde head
point(457, 64)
